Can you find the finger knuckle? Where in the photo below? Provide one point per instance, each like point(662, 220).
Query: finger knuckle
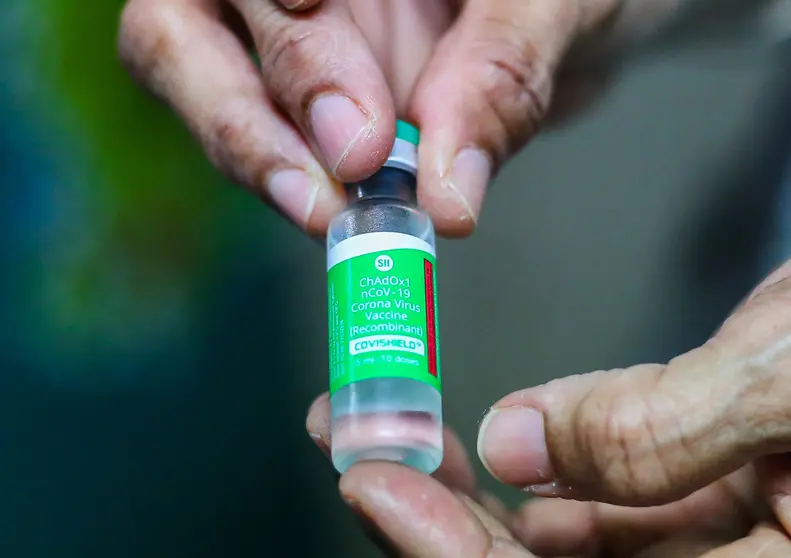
point(226, 142)
point(145, 38)
point(240, 148)
point(622, 442)
point(295, 47)
point(517, 84)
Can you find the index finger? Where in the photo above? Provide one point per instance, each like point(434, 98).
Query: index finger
point(319, 69)
point(483, 95)
point(185, 54)
point(423, 518)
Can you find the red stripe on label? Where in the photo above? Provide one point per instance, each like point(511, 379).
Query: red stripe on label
point(431, 319)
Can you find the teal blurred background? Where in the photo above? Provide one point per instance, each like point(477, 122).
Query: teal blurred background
point(152, 391)
point(162, 334)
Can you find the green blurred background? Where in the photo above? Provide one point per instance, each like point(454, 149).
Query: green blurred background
point(162, 334)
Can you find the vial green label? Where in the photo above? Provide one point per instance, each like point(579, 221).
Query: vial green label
point(382, 300)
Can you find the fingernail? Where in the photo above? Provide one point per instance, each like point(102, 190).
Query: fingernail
point(294, 192)
point(512, 446)
point(781, 505)
point(469, 177)
point(337, 123)
point(292, 4)
point(507, 548)
point(551, 490)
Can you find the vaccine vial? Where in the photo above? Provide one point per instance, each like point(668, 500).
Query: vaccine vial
point(385, 381)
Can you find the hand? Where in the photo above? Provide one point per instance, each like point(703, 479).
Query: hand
point(335, 73)
point(408, 514)
point(709, 430)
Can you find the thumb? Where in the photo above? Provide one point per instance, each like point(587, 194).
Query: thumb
point(653, 433)
point(484, 94)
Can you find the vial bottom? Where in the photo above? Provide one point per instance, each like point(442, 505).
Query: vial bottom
point(387, 419)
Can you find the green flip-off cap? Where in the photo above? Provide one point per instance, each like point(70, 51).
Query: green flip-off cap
point(404, 153)
point(407, 132)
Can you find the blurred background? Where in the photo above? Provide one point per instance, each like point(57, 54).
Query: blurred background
point(162, 334)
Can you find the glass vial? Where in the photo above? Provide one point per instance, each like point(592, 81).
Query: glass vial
point(385, 381)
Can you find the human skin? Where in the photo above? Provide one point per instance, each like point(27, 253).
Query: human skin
point(698, 443)
point(478, 77)
point(688, 458)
